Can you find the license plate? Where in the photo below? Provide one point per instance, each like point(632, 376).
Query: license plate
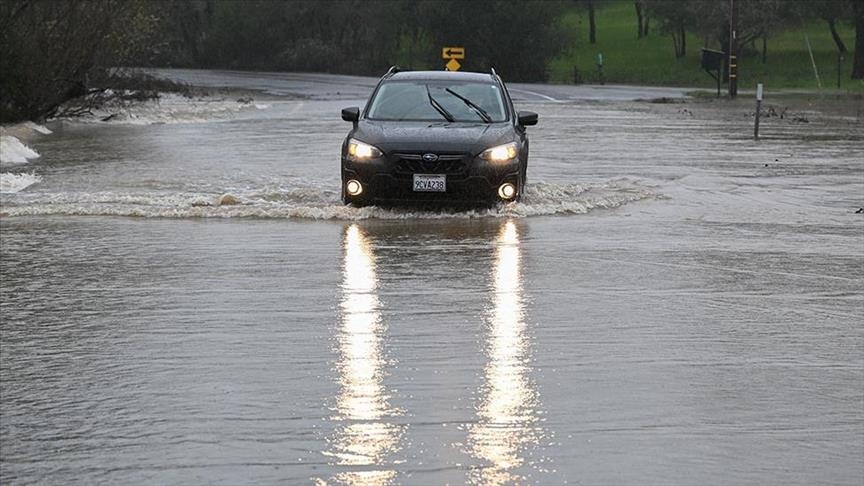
point(430, 183)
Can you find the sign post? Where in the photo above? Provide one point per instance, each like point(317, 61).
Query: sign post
point(453, 53)
point(713, 61)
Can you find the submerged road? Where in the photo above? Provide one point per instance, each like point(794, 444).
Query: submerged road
point(183, 299)
point(331, 86)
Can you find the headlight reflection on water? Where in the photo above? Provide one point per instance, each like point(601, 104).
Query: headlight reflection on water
point(365, 439)
point(507, 414)
point(507, 419)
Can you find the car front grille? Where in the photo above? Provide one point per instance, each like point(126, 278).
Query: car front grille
point(414, 164)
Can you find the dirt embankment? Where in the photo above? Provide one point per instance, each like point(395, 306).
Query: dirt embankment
point(795, 107)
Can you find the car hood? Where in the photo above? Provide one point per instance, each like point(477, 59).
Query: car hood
point(432, 136)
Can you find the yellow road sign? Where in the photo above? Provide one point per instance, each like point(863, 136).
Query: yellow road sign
point(453, 65)
point(452, 53)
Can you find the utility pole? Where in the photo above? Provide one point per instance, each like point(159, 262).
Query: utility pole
point(733, 49)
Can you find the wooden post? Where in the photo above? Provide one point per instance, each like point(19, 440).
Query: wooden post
point(600, 68)
point(839, 68)
point(758, 110)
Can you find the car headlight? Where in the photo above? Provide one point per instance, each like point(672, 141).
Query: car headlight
point(501, 153)
point(362, 151)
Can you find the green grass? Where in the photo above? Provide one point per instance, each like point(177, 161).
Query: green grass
point(651, 60)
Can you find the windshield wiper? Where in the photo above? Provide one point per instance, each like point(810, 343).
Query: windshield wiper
point(446, 114)
point(480, 111)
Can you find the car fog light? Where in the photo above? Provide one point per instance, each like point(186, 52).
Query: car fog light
point(507, 191)
point(353, 188)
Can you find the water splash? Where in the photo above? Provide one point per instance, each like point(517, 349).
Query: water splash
point(15, 152)
point(168, 108)
point(11, 183)
point(314, 203)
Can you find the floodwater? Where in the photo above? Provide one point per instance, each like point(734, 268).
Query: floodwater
point(672, 303)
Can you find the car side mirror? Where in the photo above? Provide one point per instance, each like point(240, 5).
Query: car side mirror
point(526, 118)
point(351, 114)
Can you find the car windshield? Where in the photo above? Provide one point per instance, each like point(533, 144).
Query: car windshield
point(438, 101)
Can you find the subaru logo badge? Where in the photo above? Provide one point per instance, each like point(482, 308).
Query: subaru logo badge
point(429, 157)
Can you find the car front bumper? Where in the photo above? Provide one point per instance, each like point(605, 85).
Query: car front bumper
point(390, 180)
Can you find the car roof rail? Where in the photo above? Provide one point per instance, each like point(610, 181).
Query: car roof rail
point(393, 70)
point(493, 72)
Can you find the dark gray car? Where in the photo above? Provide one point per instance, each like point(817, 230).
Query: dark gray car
point(436, 136)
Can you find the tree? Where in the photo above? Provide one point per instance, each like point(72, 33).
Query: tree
point(183, 27)
point(519, 51)
point(834, 12)
point(674, 17)
point(641, 18)
point(709, 19)
point(52, 50)
point(591, 7)
point(758, 19)
point(366, 36)
point(832, 26)
point(858, 60)
point(831, 12)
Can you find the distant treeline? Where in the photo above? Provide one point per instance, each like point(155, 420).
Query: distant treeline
point(360, 36)
point(51, 50)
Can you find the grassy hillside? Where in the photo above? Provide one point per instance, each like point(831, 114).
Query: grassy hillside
point(651, 60)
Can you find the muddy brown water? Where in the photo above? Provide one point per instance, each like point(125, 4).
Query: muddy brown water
point(672, 303)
